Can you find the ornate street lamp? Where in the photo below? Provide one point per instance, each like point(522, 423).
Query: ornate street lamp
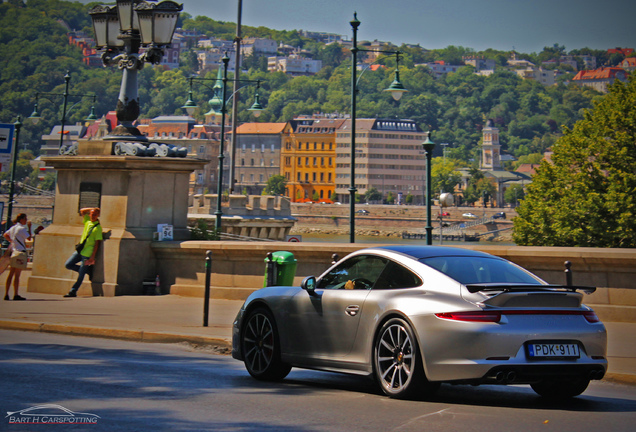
point(396, 88)
point(17, 126)
point(256, 109)
point(35, 115)
point(429, 146)
point(121, 31)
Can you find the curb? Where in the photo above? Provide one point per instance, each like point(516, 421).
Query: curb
point(223, 345)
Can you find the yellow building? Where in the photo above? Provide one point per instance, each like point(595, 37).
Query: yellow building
point(308, 158)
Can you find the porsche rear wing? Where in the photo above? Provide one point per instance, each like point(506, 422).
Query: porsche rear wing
point(505, 287)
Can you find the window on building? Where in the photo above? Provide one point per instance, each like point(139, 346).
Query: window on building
point(242, 161)
point(252, 162)
point(313, 177)
point(262, 162)
point(201, 149)
point(261, 178)
point(253, 148)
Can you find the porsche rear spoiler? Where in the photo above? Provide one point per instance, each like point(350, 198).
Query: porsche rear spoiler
point(473, 288)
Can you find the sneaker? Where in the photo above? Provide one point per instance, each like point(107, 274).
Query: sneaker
point(71, 294)
point(17, 297)
point(7, 297)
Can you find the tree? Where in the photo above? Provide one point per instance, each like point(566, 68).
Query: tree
point(585, 195)
point(276, 185)
point(372, 194)
point(444, 175)
point(514, 194)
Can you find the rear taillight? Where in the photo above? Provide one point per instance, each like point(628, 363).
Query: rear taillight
point(495, 316)
point(473, 316)
point(591, 317)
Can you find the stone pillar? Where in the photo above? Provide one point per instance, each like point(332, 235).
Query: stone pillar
point(136, 194)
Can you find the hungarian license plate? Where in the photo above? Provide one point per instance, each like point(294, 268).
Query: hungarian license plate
point(553, 350)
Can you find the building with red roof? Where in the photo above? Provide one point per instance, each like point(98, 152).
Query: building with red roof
point(600, 79)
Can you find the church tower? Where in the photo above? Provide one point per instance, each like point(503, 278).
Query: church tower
point(490, 159)
point(216, 103)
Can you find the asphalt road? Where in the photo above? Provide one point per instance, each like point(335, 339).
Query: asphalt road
point(135, 386)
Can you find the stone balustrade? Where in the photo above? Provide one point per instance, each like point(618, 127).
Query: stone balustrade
point(238, 268)
point(264, 217)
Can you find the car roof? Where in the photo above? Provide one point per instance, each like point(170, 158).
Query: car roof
point(419, 252)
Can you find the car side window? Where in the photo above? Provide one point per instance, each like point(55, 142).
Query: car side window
point(359, 272)
point(396, 276)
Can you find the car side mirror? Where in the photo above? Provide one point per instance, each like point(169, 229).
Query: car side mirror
point(309, 284)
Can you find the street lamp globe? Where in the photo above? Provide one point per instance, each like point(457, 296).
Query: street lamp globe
point(396, 88)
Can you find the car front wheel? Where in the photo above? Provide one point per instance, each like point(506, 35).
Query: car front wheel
point(261, 347)
point(397, 363)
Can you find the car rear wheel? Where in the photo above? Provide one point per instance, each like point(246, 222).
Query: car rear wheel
point(557, 389)
point(397, 363)
point(261, 347)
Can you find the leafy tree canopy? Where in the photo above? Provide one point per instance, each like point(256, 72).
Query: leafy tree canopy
point(35, 54)
point(585, 195)
point(276, 185)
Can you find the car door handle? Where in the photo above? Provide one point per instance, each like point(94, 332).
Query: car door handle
point(352, 310)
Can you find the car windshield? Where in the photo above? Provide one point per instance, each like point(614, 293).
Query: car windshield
point(473, 270)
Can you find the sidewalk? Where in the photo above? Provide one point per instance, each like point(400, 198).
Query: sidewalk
point(171, 318)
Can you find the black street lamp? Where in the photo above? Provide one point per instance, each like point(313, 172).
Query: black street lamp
point(17, 125)
point(256, 108)
point(396, 88)
point(35, 115)
point(121, 31)
point(429, 146)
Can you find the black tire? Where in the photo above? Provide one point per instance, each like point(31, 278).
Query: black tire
point(261, 347)
point(397, 363)
point(560, 389)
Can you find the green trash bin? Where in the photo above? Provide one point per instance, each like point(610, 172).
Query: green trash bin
point(282, 266)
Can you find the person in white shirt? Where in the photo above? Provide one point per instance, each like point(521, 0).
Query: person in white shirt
point(18, 235)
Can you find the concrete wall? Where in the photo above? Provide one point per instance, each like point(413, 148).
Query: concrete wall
point(238, 268)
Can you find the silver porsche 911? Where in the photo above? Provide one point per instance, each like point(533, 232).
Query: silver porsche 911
point(414, 317)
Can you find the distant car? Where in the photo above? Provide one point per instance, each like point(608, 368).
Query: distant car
point(414, 317)
point(363, 212)
point(500, 215)
point(444, 214)
point(469, 216)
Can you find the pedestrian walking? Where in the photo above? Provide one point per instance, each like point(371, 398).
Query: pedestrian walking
point(17, 235)
point(82, 260)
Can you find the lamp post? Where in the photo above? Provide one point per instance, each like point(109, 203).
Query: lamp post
point(35, 115)
point(429, 146)
point(17, 125)
point(121, 31)
point(256, 109)
point(396, 88)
